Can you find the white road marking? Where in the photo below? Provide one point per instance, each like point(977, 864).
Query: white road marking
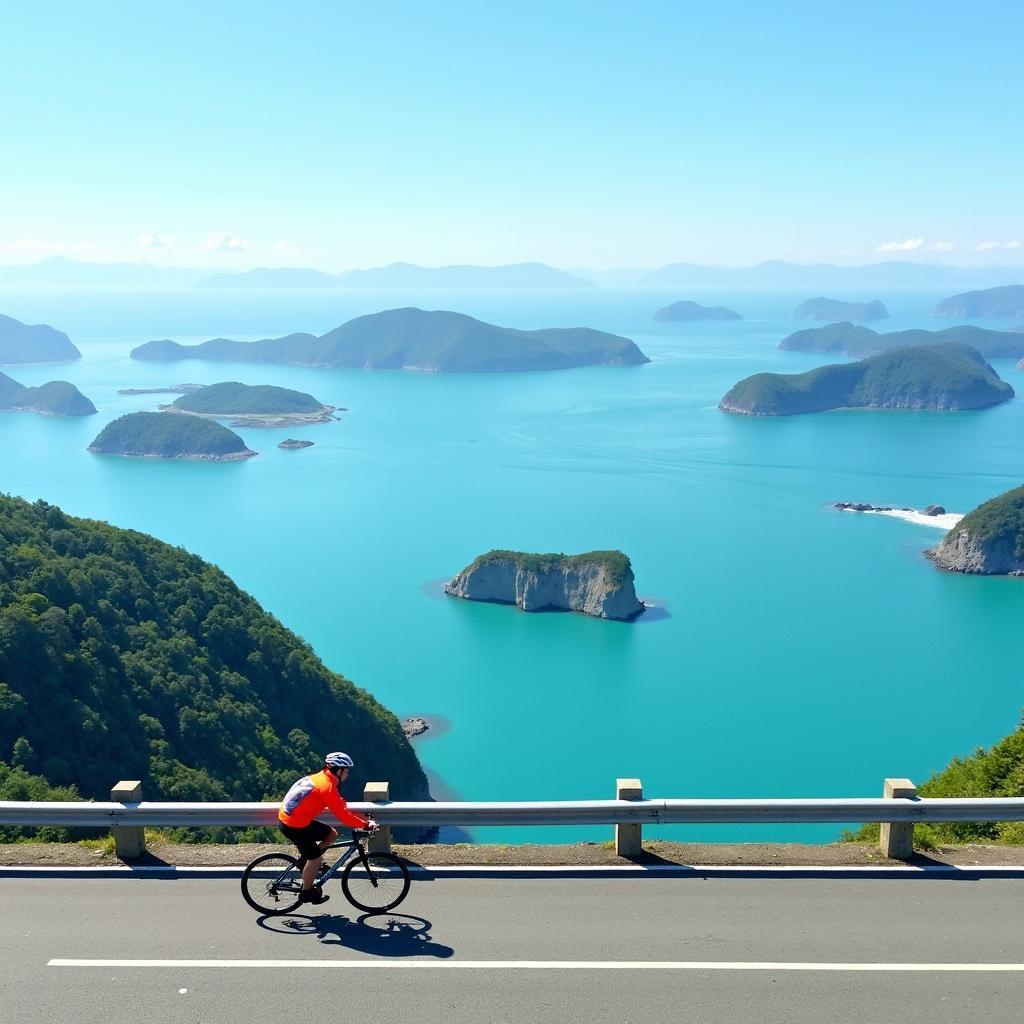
point(545, 965)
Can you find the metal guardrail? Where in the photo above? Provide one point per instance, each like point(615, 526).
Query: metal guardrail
point(564, 812)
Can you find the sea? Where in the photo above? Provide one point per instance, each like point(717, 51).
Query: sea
point(790, 649)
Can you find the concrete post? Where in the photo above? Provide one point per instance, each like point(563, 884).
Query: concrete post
point(130, 840)
point(628, 838)
point(377, 793)
point(897, 838)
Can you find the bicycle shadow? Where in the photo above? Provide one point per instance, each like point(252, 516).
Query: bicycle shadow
point(384, 935)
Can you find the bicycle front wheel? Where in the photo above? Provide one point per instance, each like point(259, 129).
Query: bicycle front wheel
point(376, 883)
point(272, 883)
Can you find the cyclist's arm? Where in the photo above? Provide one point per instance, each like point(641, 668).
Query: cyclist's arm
point(337, 806)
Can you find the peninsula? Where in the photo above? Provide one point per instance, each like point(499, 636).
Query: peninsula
point(598, 583)
point(158, 435)
point(857, 340)
point(1006, 301)
point(209, 696)
point(55, 398)
point(938, 377)
point(254, 405)
point(988, 541)
point(685, 310)
point(833, 309)
point(37, 343)
point(415, 339)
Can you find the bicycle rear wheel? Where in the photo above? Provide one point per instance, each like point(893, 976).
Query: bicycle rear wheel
point(375, 884)
point(272, 883)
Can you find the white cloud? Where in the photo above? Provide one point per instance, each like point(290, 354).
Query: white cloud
point(941, 247)
point(224, 241)
point(154, 240)
point(906, 246)
point(1016, 243)
point(38, 245)
point(986, 246)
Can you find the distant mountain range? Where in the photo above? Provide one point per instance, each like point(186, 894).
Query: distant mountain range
point(59, 271)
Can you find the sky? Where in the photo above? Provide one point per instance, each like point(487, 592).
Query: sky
point(580, 134)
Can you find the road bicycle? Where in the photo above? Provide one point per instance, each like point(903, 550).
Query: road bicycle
point(373, 882)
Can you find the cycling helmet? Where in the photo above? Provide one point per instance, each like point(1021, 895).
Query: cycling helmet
point(338, 760)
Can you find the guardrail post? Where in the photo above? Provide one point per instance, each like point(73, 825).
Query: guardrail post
point(628, 838)
point(377, 793)
point(897, 838)
point(130, 840)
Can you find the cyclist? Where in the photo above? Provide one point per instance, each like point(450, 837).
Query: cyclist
point(297, 819)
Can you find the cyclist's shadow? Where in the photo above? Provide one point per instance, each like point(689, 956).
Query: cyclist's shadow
point(385, 934)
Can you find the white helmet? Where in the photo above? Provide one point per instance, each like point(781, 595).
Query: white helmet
point(338, 760)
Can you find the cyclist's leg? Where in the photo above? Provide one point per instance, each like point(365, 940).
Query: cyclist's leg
point(308, 840)
point(321, 835)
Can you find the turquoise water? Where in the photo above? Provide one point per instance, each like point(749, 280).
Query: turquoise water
point(800, 651)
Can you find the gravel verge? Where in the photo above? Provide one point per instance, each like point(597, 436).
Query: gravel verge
point(569, 855)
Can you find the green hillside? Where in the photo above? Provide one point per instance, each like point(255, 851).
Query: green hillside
point(234, 399)
point(123, 657)
point(437, 341)
point(940, 377)
point(166, 436)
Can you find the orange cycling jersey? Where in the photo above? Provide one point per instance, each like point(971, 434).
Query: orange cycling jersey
point(310, 796)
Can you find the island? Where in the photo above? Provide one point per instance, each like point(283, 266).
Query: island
point(291, 444)
point(159, 435)
point(988, 541)
point(1005, 301)
point(938, 377)
point(55, 398)
point(821, 308)
point(254, 405)
point(686, 310)
point(598, 583)
point(35, 343)
point(857, 340)
point(414, 339)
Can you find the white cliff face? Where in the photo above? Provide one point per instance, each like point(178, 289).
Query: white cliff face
point(960, 552)
point(584, 589)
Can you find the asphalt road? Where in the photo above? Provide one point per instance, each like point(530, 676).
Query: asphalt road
point(548, 949)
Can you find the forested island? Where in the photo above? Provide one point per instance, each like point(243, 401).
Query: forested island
point(35, 343)
point(262, 405)
point(159, 435)
point(857, 340)
point(685, 310)
point(821, 308)
point(938, 377)
point(55, 398)
point(988, 541)
point(415, 339)
point(1005, 301)
point(125, 657)
point(598, 583)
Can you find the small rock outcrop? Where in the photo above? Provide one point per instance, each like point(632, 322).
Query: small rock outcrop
point(292, 443)
point(414, 727)
point(988, 541)
point(933, 510)
point(598, 583)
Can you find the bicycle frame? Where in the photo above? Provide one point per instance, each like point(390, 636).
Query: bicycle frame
point(355, 848)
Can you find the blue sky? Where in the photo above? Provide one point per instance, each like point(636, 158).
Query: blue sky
point(593, 134)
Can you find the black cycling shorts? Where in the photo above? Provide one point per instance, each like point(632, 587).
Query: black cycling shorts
point(307, 839)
